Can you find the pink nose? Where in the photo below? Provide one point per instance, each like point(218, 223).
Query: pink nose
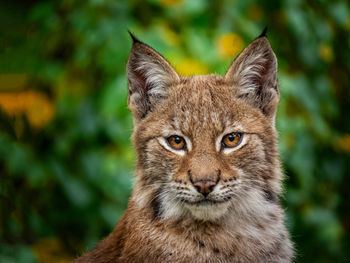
point(205, 187)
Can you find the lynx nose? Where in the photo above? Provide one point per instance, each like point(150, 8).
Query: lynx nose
point(205, 187)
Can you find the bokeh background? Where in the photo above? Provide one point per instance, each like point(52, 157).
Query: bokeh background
point(65, 155)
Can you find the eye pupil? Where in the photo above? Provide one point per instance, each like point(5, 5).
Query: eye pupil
point(177, 140)
point(231, 137)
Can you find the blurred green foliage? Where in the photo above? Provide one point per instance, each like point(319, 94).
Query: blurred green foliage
point(65, 154)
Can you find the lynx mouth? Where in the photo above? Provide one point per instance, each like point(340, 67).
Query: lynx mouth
point(207, 202)
point(207, 209)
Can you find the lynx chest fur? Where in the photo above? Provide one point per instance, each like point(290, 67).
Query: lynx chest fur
point(208, 177)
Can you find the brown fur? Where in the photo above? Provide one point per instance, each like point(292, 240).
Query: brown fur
point(167, 220)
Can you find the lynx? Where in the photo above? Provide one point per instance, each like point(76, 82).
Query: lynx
point(208, 175)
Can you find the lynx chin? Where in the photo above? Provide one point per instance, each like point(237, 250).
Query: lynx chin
point(208, 175)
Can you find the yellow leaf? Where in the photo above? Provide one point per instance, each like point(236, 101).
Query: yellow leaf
point(326, 52)
point(167, 3)
point(188, 67)
point(230, 45)
point(36, 106)
point(344, 143)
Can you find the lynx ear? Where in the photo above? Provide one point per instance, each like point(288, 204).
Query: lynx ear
point(149, 77)
point(254, 75)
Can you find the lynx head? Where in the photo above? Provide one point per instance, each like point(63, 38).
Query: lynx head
point(206, 145)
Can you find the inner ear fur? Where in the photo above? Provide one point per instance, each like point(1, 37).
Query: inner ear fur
point(254, 76)
point(149, 77)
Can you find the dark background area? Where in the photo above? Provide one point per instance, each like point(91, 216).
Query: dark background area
point(65, 155)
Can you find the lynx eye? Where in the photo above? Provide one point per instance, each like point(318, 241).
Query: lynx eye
point(232, 140)
point(176, 142)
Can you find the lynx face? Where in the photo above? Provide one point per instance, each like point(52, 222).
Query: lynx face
point(206, 145)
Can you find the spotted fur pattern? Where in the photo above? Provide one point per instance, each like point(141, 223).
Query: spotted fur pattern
point(168, 219)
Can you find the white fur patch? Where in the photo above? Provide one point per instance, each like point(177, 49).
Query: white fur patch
point(249, 71)
point(208, 212)
point(156, 78)
point(170, 206)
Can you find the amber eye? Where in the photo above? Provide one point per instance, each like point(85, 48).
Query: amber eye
point(177, 142)
point(232, 140)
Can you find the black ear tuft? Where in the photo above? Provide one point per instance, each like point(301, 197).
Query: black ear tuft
point(263, 34)
point(134, 38)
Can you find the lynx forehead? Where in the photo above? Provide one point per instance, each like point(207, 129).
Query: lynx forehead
point(208, 175)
